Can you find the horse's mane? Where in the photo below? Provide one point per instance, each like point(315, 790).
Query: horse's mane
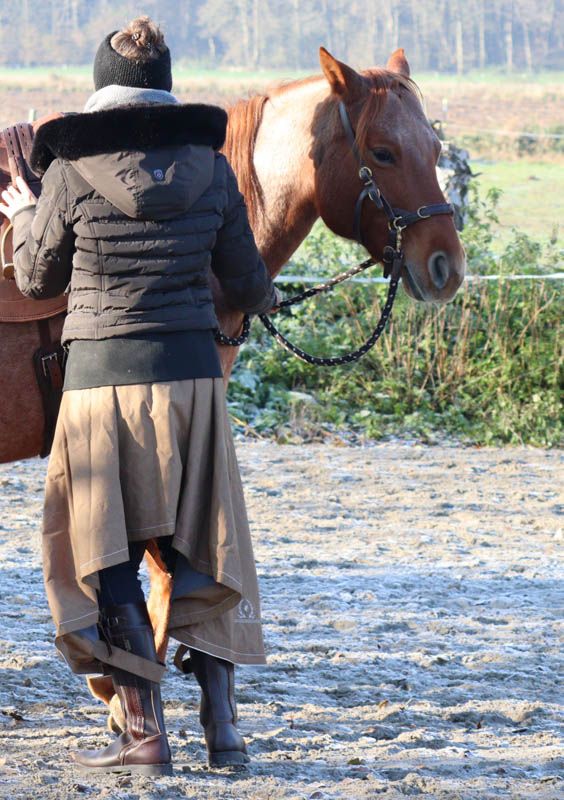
point(245, 118)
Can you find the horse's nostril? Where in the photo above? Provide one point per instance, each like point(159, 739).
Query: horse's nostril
point(438, 269)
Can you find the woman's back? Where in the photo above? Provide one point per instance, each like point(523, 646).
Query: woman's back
point(148, 205)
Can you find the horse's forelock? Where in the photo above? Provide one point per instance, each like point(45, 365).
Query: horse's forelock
point(380, 83)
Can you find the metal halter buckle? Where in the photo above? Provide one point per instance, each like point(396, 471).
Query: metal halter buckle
point(422, 216)
point(365, 175)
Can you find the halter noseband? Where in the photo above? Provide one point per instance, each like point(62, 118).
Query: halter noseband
point(398, 218)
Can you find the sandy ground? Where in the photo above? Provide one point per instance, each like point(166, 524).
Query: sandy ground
point(410, 608)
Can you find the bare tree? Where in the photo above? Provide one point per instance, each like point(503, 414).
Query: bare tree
point(437, 34)
point(508, 35)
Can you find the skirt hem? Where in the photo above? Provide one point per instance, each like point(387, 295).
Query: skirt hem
point(225, 653)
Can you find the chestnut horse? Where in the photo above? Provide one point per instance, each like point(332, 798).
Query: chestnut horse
point(294, 164)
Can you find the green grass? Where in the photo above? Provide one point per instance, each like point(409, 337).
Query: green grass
point(229, 74)
point(532, 199)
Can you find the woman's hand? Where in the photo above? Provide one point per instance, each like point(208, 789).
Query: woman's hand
point(277, 300)
point(17, 197)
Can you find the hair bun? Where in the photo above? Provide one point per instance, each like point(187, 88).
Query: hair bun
point(141, 40)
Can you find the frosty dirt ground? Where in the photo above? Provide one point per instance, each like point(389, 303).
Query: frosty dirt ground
point(410, 607)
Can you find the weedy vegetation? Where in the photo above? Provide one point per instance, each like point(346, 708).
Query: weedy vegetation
point(483, 369)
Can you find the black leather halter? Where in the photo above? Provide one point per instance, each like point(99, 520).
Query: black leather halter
point(398, 218)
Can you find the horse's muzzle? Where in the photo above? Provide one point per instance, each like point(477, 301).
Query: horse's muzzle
point(439, 282)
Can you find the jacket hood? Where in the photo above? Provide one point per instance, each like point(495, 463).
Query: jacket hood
point(156, 184)
point(151, 162)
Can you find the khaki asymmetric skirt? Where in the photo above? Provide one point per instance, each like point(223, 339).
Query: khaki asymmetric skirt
point(137, 462)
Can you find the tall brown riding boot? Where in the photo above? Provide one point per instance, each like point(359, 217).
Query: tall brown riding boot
point(218, 712)
point(142, 748)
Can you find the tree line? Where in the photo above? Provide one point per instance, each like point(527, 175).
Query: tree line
point(442, 35)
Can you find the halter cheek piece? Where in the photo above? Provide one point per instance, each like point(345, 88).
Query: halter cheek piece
point(393, 259)
point(398, 218)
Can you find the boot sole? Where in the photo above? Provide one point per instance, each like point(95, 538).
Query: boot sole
point(231, 758)
point(149, 770)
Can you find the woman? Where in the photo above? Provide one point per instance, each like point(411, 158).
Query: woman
point(137, 204)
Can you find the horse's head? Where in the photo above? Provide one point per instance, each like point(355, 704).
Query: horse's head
point(399, 146)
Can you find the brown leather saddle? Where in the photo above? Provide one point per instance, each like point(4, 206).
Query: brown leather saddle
point(14, 307)
point(15, 149)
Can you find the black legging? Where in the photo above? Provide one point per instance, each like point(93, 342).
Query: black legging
point(120, 584)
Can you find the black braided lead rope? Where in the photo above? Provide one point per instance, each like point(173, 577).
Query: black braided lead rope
point(328, 285)
point(237, 341)
point(347, 358)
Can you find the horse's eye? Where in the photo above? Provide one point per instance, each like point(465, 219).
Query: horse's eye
point(383, 155)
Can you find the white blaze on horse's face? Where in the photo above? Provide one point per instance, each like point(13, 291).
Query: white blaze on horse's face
point(401, 149)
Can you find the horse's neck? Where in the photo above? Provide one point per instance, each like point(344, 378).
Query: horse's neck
point(285, 171)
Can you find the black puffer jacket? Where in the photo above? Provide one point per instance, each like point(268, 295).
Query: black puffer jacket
point(137, 205)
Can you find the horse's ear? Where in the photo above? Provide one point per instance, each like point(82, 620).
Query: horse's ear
point(397, 62)
point(342, 79)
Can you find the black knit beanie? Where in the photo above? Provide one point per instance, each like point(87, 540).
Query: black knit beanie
point(110, 67)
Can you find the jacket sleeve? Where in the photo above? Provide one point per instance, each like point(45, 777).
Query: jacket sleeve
point(236, 261)
point(44, 240)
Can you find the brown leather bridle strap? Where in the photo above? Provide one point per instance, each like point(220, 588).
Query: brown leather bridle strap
point(48, 362)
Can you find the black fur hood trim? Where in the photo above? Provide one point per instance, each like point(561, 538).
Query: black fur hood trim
point(127, 128)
